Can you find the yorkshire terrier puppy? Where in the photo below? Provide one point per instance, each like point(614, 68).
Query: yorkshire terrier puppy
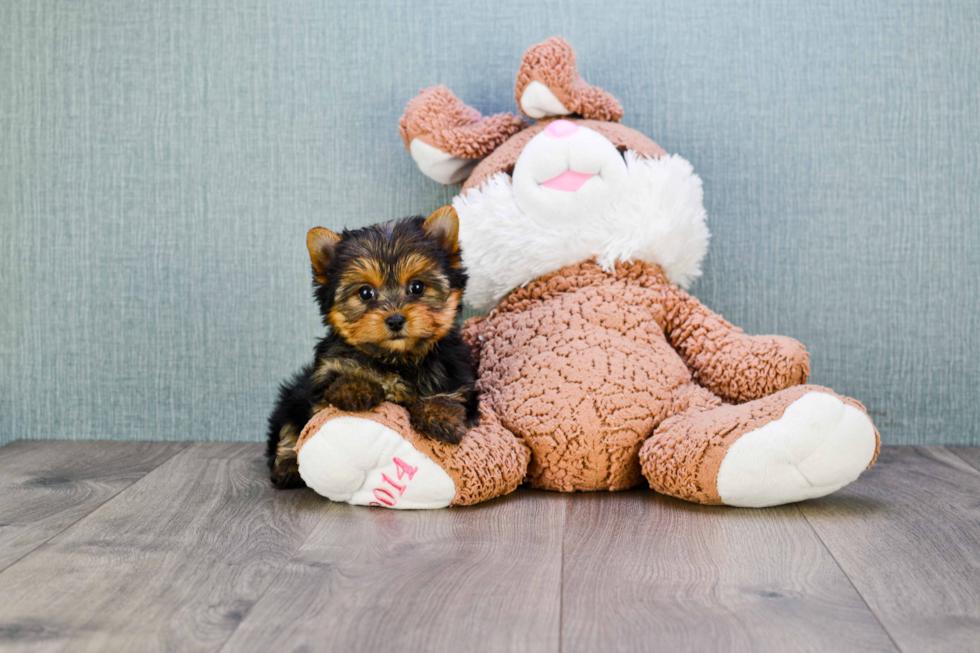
point(391, 295)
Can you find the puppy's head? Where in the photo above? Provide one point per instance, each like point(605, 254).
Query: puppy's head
point(394, 289)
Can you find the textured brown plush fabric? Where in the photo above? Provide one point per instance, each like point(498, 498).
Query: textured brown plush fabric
point(721, 357)
point(439, 118)
point(488, 463)
point(552, 63)
point(605, 377)
point(584, 365)
point(505, 157)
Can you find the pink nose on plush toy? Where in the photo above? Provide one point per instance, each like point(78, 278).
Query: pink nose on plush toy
point(561, 129)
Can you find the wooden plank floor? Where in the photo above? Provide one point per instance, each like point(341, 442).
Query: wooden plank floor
point(186, 547)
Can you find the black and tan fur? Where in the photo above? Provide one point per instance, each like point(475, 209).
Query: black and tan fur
point(365, 282)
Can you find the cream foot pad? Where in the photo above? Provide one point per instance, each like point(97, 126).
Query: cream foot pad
point(819, 445)
point(359, 461)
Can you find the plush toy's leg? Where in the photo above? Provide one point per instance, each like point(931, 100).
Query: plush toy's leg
point(800, 443)
point(376, 459)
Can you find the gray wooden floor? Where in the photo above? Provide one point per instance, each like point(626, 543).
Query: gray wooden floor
point(185, 547)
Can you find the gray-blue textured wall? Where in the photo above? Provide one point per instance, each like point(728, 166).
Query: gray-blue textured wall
point(161, 162)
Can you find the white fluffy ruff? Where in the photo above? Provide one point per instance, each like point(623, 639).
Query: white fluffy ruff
point(659, 217)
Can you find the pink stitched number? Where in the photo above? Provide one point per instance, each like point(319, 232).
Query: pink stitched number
point(404, 468)
point(400, 488)
point(390, 501)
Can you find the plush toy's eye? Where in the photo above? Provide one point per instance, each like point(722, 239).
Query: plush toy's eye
point(416, 288)
point(366, 293)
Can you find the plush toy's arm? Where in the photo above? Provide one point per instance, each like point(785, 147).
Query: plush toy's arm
point(735, 366)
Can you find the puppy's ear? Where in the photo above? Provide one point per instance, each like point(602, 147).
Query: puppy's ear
point(443, 225)
point(321, 243)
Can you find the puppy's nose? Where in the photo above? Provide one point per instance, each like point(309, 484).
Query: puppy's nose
point(561, 129)
point(395, 322)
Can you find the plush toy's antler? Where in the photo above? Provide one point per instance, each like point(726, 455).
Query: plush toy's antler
point(548, 84)
point(447, 138)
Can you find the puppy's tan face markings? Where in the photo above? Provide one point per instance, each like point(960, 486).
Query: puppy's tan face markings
point(350, 312)
point(371, 290)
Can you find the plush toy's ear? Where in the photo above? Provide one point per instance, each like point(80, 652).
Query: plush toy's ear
point(447, 138)
point(321, 243)
point(548, 85)
point(443, 225)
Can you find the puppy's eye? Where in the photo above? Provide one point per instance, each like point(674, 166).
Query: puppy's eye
point(366, 293)
point(416, 288)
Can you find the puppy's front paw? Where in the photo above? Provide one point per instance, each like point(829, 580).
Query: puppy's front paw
point(354, 395)
point(440, 418)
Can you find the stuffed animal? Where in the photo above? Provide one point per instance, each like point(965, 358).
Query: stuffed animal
point(597, 371)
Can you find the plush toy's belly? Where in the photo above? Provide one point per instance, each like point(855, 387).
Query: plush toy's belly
point(582, 395)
